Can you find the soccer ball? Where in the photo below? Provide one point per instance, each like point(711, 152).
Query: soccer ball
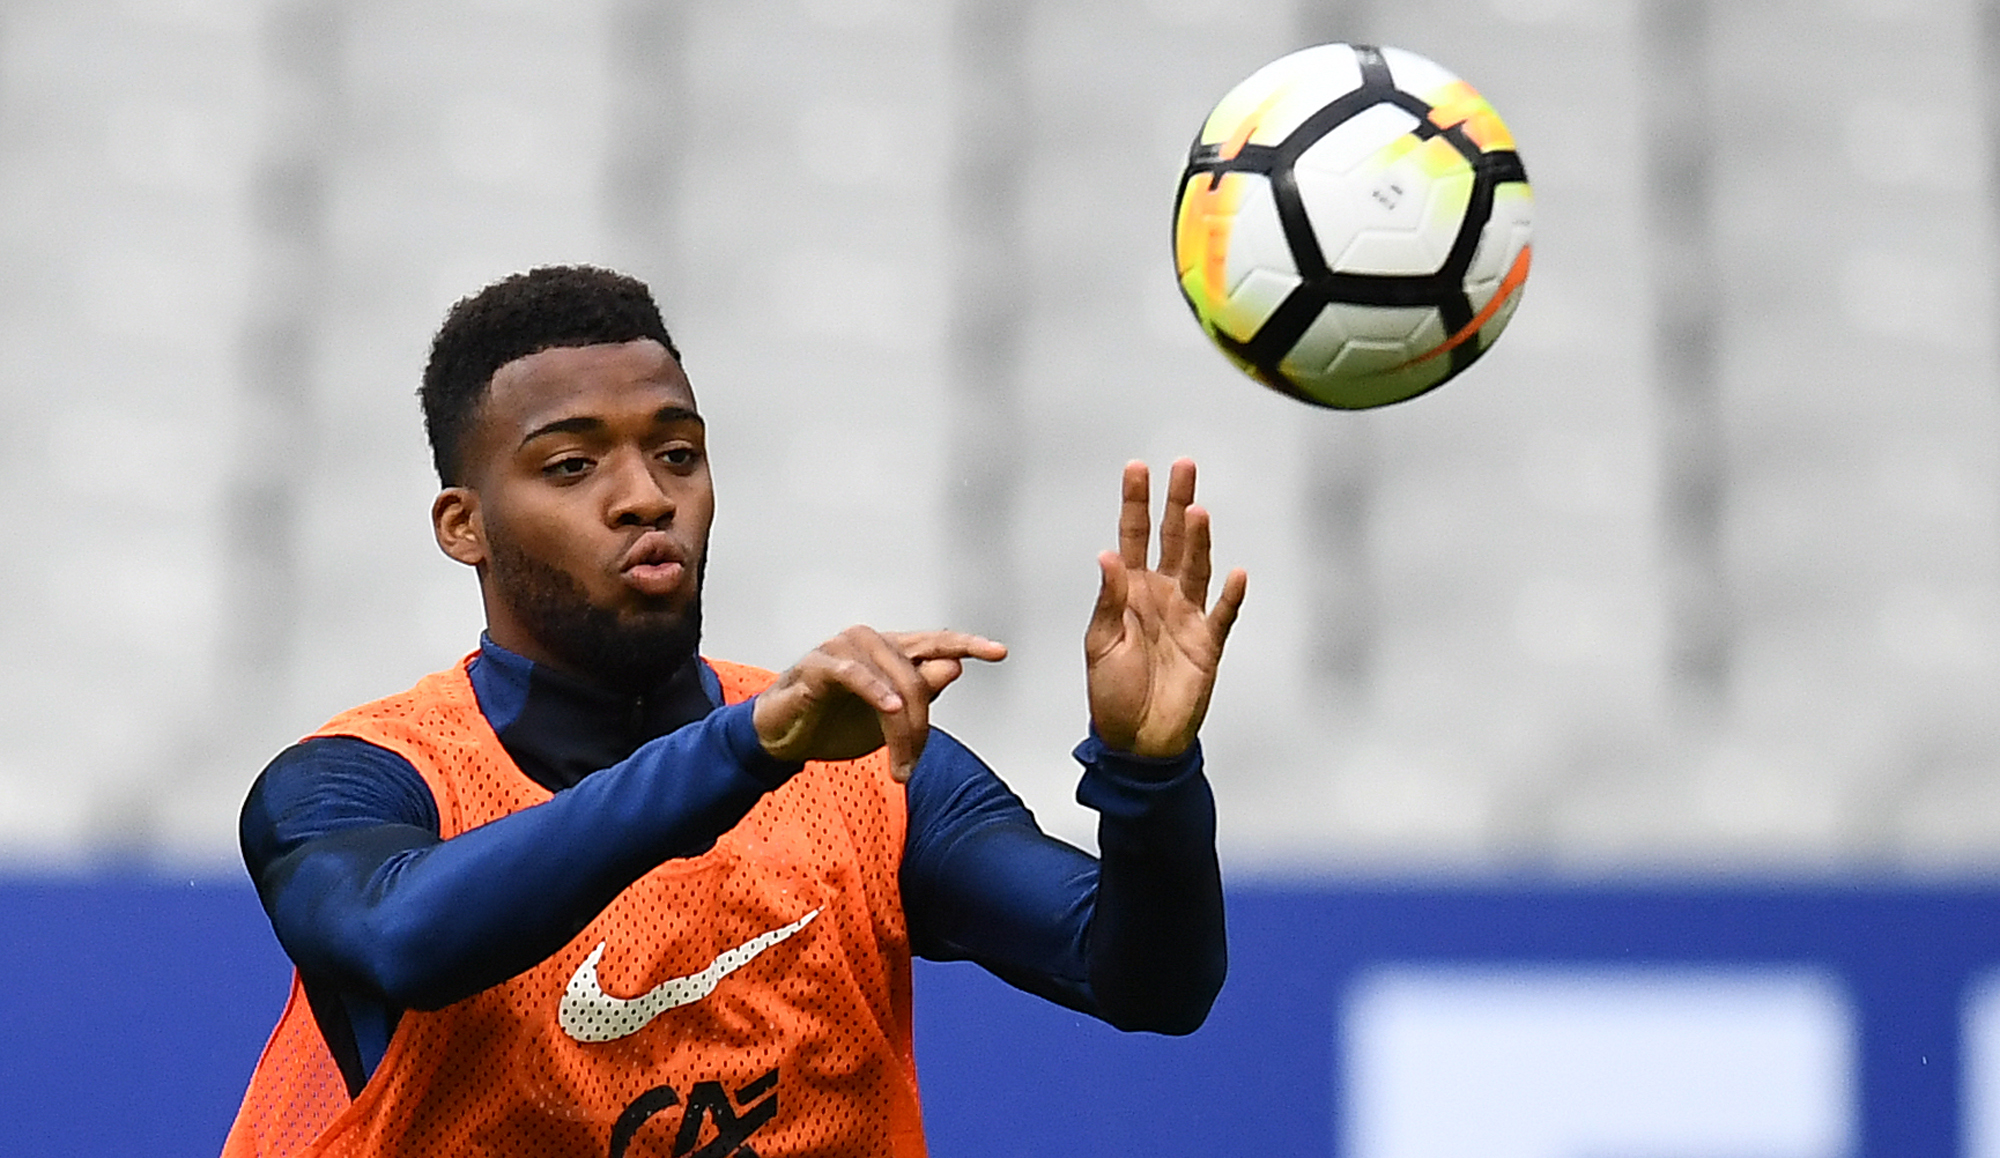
point(1352, 226)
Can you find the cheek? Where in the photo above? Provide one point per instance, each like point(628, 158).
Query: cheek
point(532, 526)
point(697, 510)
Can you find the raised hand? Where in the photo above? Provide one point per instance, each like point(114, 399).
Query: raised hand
point(1152, 647)
point(864, 689)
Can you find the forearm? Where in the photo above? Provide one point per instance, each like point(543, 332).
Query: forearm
point(1135, 939)
point(392, 910)
point(1156, 948)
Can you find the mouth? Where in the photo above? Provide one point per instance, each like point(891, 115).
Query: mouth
point(653, 565)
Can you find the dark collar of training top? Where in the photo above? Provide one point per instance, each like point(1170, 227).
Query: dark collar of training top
point(560, 728)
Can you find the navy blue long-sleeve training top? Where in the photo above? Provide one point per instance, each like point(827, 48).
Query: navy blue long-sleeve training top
point(380, 915)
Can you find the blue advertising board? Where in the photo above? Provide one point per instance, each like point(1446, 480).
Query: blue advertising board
point(1361, 1020)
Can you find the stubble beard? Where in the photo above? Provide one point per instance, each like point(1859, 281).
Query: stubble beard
point(629, 652)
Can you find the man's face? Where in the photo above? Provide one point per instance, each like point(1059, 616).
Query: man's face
point(587, 510)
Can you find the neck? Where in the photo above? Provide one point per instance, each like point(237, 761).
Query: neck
point(560, 726)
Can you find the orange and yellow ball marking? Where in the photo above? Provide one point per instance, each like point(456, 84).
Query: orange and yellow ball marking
point(1201, 242)
point(1517, 276)
point(1458, 103)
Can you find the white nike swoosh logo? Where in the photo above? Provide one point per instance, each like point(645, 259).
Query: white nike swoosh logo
point(589, 1014)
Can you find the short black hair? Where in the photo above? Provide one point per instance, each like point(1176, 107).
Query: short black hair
point(545, 308)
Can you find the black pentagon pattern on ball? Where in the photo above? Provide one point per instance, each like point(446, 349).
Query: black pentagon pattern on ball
point(1320, 286)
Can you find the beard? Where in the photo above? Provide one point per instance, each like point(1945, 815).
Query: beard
point(632, 652)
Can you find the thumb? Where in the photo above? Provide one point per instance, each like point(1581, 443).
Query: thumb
point(1107, 619)
point(782, 716)
point(938, 674)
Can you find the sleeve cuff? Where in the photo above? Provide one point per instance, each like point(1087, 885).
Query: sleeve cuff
point(1120, 785)
point(1093, 752)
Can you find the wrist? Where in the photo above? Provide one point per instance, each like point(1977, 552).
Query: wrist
point(1135, 746)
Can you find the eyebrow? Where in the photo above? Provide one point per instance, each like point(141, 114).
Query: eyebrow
point(584, 424)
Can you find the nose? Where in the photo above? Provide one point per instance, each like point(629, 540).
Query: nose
point(636, 496)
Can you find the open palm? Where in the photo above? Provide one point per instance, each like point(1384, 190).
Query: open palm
point(1153, 644)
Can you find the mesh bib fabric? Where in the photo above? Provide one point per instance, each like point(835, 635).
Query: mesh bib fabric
point(753, 1001)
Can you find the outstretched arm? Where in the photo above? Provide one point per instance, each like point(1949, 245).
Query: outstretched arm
point(342, 841)
point(360, 888)
point(1151, 652)
point(1135, 936)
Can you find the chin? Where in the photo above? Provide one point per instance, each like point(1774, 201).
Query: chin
point(630, 644)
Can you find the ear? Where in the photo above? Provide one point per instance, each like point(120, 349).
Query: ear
point(456, 522)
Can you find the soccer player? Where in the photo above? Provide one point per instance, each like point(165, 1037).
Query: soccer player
point(590, 893)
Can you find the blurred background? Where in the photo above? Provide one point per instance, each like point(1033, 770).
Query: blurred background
point(1692, 580)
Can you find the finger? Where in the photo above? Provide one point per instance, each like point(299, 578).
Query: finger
point(905, 726)
point(836, 666)
point(1223, 617)
point(939, 674)
point(1194, 579)
point(1173, 520)
point(1107, 619)
point(922, 645)
point(1134, 520)
point(883, 655)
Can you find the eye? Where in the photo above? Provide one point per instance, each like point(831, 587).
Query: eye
point(567, 467)
point(681, 456)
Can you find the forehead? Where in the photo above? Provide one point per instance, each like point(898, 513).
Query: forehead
point(585, 381)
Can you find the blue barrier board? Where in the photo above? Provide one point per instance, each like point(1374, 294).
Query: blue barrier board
point(134, 1008)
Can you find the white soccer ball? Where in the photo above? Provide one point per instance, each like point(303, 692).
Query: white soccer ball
point(1353, 225)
